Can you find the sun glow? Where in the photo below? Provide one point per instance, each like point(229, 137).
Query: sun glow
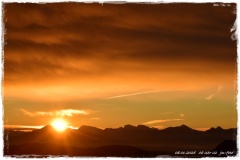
point(59, 124)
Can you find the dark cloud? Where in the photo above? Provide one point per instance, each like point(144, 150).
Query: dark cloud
point(47, 39)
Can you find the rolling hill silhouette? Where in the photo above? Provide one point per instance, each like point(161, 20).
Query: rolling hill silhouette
point(127, 141)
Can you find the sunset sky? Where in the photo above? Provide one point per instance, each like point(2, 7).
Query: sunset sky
point(108, 65)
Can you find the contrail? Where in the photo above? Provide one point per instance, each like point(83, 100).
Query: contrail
point(133, 94)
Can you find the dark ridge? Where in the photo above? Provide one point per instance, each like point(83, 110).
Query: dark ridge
point(212, 128)
point(47, 128)
point(219, 128)
point(123, 151)
point(143, 127)
point(89, 128)
point(104, 151)
point(165, 141)
point(226, 148)
point(216, 130)
point(182, 128)
point(128, 126)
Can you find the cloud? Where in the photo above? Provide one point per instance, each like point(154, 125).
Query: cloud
point(62, 113)
point(181, 115)
point(139, 93)
point(219, 88)
point(44, 45)
point(71, 112)
point(210, 97)
point(95, 118)
point(161, 121)
point(23, 126)
point(30, 49)
point(27, 112)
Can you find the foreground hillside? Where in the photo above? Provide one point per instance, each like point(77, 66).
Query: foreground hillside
point(127, 141)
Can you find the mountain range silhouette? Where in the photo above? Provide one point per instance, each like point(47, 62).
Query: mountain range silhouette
point(127, 141)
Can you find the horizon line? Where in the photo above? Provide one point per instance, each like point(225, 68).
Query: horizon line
point(22, 127)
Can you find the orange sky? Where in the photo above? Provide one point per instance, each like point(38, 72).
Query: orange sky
point(115, 64)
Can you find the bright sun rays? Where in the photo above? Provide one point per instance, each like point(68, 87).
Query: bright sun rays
point(59, 124)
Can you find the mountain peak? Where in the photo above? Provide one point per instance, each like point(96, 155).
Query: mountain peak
point(128, 126)
point(219, 128)
point(184, 126)
point(46, 128)
point(89, 128)
point(142, 127)
point(214, 130)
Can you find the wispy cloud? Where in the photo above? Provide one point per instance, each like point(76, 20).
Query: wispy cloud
point(212, 95)
point(22, 126)
point(139, 93)
point(161, 121)
point(95, 118)
point(181, 115)
point(65, 112)
point(73, 127)
point(71, 112)
point(27, 112)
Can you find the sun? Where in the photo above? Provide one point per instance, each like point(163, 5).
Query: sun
point(59, 124)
